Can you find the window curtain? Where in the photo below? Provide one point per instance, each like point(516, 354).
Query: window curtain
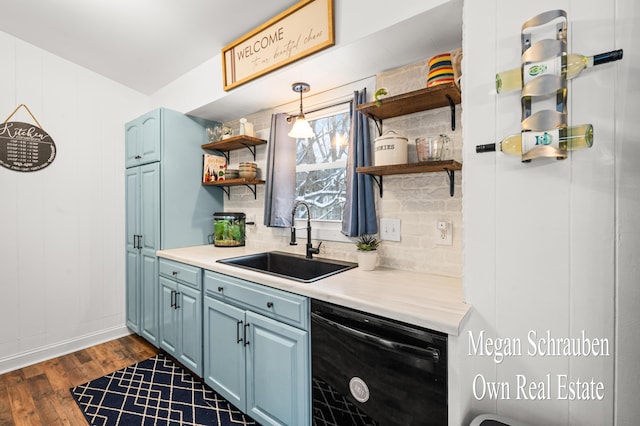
point(281, 174)
point(359, 216)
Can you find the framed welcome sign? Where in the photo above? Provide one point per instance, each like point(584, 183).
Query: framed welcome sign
point(301, 30)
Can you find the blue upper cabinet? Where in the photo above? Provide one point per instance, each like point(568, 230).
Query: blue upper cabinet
point(143, 142)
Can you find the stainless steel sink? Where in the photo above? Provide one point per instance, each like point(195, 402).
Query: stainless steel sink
point(291, 266)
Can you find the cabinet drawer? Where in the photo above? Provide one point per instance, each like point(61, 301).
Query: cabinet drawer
point(187, 274)
point(277, 304)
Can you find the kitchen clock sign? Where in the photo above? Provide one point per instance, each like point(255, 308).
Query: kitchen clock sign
point(25, 147)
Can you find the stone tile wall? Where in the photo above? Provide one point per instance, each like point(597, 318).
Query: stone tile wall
point(418, 200)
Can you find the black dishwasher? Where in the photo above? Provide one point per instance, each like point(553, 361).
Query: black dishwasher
point(369, 370)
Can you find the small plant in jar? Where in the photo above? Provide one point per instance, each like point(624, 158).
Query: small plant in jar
point(367, 242)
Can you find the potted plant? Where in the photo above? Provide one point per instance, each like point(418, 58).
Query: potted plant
point(367, 245)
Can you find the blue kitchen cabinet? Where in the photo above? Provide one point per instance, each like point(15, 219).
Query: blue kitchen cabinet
point(143, 139)
point(224, 361)
point(166, 204)
point(143, 231)
point(180, 310)
point(256, 349)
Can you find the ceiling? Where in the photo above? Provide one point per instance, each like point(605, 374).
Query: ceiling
point(143, 44)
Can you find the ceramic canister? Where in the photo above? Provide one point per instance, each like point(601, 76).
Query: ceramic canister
point(440, 70)
point(391, 148)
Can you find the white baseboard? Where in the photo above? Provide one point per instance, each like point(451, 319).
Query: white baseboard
point(44, 353)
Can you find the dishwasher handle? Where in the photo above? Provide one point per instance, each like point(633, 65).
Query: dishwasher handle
point(427, 352)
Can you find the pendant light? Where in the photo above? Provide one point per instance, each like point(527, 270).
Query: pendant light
point(301, 128)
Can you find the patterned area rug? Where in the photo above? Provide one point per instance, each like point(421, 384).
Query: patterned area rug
point(154, 392)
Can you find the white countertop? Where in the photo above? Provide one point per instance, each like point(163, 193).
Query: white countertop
point(430, 301)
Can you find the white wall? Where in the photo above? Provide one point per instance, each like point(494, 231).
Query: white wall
point(539, 239)
point(627, 154)
point(62, 233)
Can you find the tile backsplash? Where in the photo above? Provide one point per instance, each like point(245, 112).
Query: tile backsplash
point(418, 200)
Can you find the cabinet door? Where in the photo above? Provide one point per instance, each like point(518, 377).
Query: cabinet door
point(190, 328)
point(278, 372)
point(132, 206)
point(133, 290)
point(150, 141)
point(132, 229)
point(132, 133)
point(224, 363)
point(168, 332)
point(149, 296)
point(150, 207)
point(142, 139)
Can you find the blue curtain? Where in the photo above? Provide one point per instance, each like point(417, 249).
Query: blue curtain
point(280, 192)
point(359, 215)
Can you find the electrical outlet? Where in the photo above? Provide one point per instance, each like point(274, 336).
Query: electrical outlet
point(390, 229)
point(443, 233)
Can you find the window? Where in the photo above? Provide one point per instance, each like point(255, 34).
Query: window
point(321, 166)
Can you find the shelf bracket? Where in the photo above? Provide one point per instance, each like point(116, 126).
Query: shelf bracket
point(378, 122)
point(251, 149)
point(227, 191)
point(378, 181)
point(226, 155)
point(452, 105)
point(452, 181)
point(254, 190)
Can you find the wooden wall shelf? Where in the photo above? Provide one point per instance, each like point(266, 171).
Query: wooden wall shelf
point(226, 184)
point(233, 143)
point(377, 172)
point(438, 96)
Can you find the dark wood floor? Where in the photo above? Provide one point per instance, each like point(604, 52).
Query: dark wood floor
point(39, 394)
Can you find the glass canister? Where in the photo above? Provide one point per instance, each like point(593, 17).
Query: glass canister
point(229, 229)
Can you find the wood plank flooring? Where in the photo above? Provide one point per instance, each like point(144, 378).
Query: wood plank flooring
point(39, 394)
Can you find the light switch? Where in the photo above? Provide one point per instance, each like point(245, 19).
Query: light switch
point(390, 229)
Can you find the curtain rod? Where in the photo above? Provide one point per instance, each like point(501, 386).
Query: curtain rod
point(350, 101)
point(292, 116)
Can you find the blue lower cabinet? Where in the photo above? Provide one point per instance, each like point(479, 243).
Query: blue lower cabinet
point(224, 360)
point(277, 368)
point(180, 311)
point(255, 360)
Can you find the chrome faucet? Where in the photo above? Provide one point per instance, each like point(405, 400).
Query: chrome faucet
point(310, 249)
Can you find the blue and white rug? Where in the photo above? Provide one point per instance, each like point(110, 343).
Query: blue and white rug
point(154, 392)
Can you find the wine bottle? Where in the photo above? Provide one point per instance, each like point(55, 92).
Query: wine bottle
point(566, 139)
point(512, 79)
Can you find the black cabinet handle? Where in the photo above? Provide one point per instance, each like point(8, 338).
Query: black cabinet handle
point(177, 294)
point(238, 338)
point(138, 157)
point(246, 338)
point(174, 273)
point(220, 289)
point(269, 304)
point(173, 299)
